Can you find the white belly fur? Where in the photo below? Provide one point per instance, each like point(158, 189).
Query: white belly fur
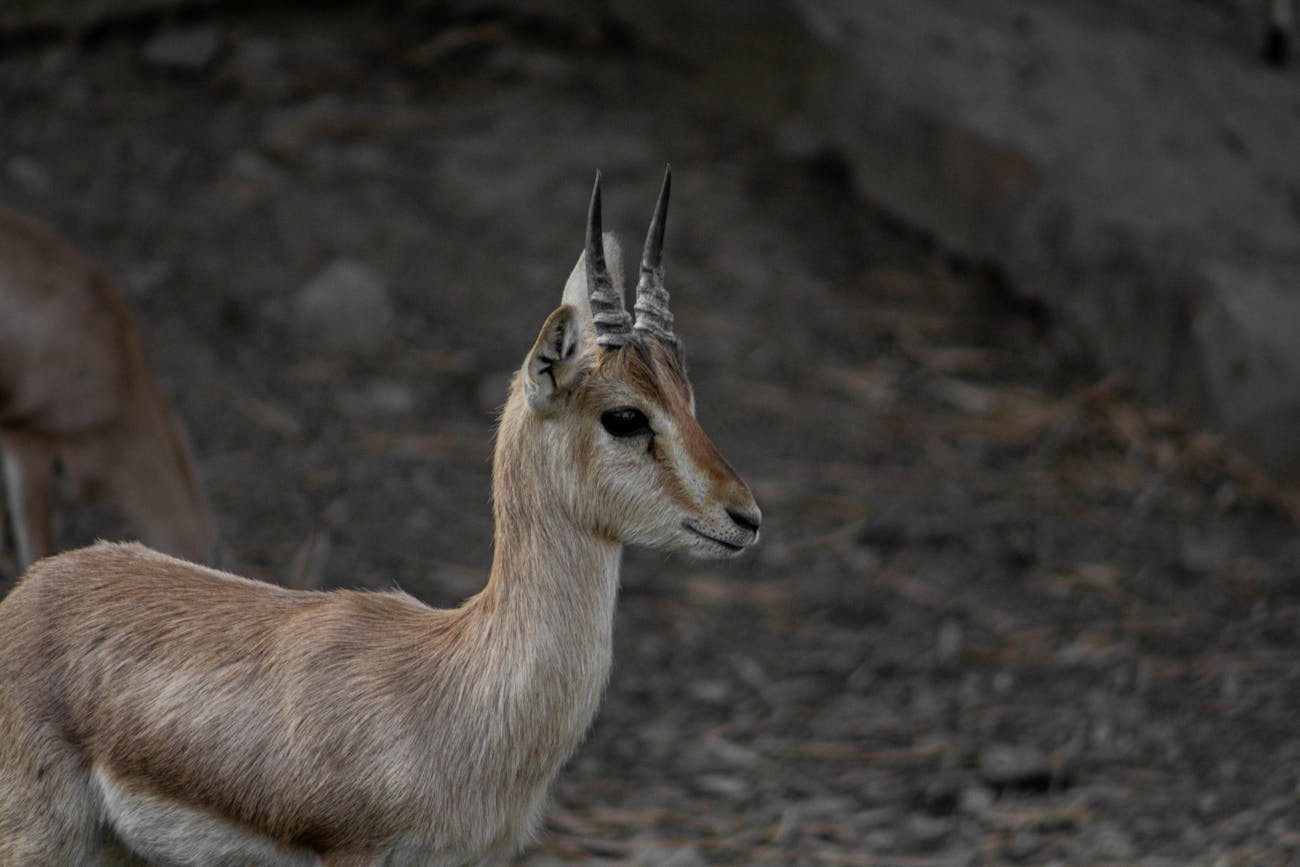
point(168, 832)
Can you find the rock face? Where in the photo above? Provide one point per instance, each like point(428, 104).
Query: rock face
point(1138, 175)
point(1131, 166)
point(24, 15)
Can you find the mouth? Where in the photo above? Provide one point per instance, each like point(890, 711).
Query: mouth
point(730, 546)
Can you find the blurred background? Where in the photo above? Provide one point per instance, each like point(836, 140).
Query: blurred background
point(995, 305)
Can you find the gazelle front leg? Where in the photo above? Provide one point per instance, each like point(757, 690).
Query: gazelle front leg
point(29, 466)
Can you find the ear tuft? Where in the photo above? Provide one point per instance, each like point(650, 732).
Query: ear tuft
point(552, 363)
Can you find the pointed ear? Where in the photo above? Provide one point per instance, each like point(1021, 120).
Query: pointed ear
point(575, 292)
point(575, 288)
point(552, 363)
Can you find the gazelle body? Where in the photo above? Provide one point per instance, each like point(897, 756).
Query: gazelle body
point(75, 387)
point(203, 719)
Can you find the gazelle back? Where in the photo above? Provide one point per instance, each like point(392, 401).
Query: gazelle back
point(204, 719)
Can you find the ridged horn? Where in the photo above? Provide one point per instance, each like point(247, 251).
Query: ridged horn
point(652, 313)
point(612, 322)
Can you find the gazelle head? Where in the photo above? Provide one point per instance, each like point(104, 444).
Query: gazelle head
point(607, 398)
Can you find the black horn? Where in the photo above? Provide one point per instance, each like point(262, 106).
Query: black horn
point(652, 313)
point(611, 320)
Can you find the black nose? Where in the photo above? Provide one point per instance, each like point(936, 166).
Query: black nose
point(745, 522)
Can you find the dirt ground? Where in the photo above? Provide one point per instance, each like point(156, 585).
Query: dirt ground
point(1002, 613)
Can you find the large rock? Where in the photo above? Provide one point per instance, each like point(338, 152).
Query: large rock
point(1135, 170)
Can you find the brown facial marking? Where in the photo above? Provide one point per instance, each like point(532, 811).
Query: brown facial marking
point(658, 374)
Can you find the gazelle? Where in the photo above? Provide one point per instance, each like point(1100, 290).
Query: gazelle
point(198, 718)
point(75, 386)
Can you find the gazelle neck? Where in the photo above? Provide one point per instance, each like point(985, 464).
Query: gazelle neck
point(548, 607)
point(546, 569)
point(544, 559)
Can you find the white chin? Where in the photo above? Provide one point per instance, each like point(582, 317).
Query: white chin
point(708, 549)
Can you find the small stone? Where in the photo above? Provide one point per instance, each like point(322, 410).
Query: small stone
point(750, 672)
point(1024, 845)
point(724, 785)
point(832, 807)
point(801, 140)
point(941, 796)
point(188, 49)
point(787, 829)
point(255, 67)
point(251, 167)
point(948, 644)
point(877, 817)
point(288, 133)
point(144, 279)
point(975, 799)
point(963, 396)
point(927, 831)
point(1109, 842)
point(955, 858)
point(383, 398)
point(725, 753)
point(1200, 553)
point(345, 307)
point(29, 175)
point(1014, 766)
point(710, 691)
point(880, 840)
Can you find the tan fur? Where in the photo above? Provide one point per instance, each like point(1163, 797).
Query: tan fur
point(165, 700)
point(75, 386)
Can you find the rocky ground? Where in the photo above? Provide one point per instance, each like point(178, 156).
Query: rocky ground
point(1002, 613)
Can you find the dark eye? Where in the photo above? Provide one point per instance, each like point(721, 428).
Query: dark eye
point(625, 421)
